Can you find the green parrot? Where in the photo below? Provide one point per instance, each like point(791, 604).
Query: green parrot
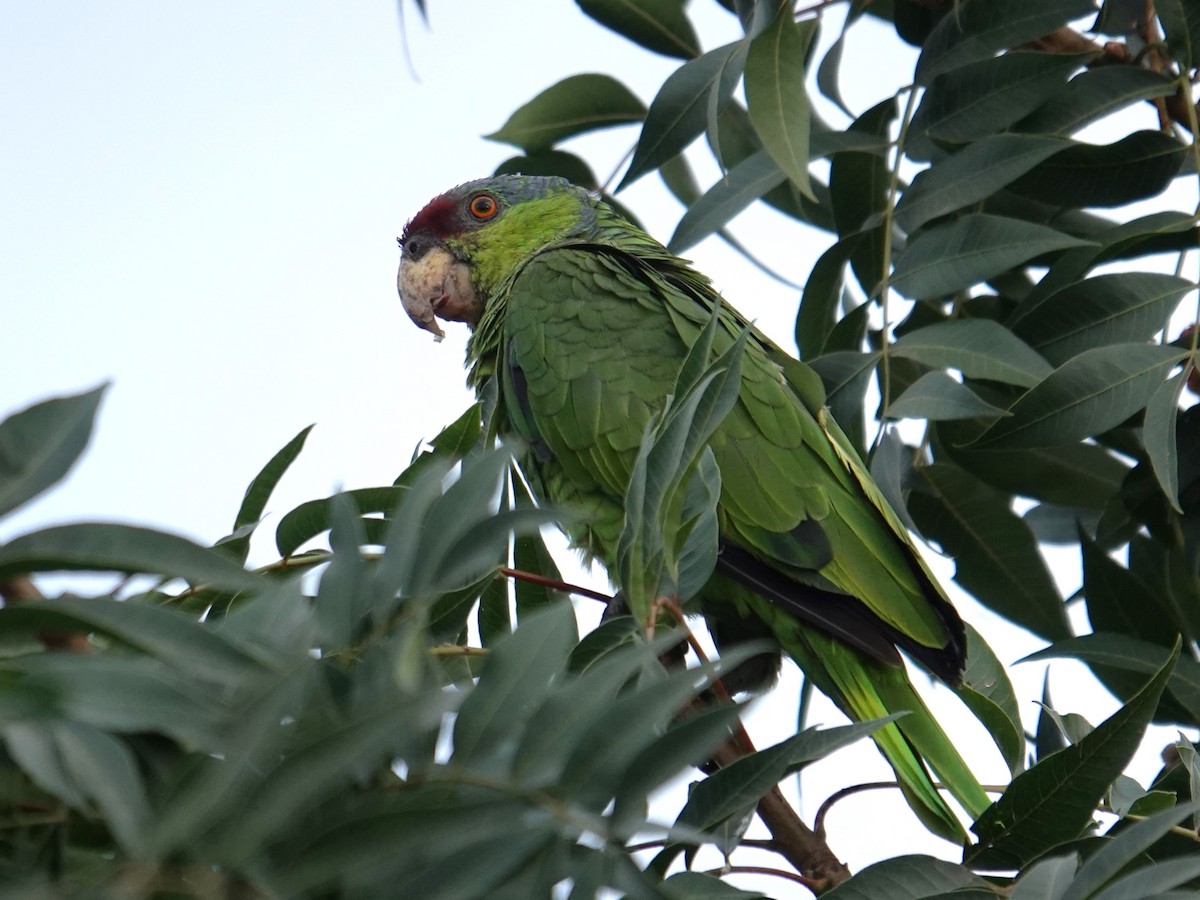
point(581, 320)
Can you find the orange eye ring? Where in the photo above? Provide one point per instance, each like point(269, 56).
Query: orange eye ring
point(483, 206)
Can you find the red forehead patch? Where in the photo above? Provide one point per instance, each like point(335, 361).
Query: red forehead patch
point(440, 216)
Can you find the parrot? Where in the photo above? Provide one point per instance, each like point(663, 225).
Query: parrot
point(579, 323)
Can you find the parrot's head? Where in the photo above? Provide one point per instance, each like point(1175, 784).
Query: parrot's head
point(465, 242)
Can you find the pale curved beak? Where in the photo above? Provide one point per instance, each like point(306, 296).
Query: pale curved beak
point(437, 286)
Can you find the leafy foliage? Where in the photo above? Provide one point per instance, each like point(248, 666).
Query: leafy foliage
point(384, 711)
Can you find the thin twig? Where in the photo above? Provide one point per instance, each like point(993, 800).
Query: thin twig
point(554, 584)
point(819, 819)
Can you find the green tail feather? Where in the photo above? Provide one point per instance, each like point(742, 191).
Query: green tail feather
point(865, 689)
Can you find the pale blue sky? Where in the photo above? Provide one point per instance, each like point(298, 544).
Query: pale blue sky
point(199, 202)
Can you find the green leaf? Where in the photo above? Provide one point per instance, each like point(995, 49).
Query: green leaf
point(731, 790)
point(908, 878)
point(692, 95)
point(562, 719)
point(741, 186)
point(956, 255)
point(343, 604)
point(254, 502)
point(452, 443)
point(775, 94)
point(112, 547)
point(981, 98)
point(1153, 881)
point(516, 675)
point(846, 375)
point(1106, 309)
point(82, 765)
point(995, 555)
point(818, 304)
point(859, 190)
point(39, 445)
point(530, 554)
point(1123, 850)
point(831, 65)
point(1076, 475)
point(1046, 879)
point(575, 105)
point(891, 466)
point(1181, 24)
point(1158, 436)
point(700, 886)
point(936, 396)
point(1052, 802)
point(601, 762)
point(988, 693)
point(157, 631)
point(1093, 94)
point(979, 348)
point(1119, 601)
point(1137, 166)
point(551, 162)
point(661, 26)
point(313, 517)
point(663, 500)
point(1129, 654)
point(977, 29)
point(1089, 394)
point(971, 175)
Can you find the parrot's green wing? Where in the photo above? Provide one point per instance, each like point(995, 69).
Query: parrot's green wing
point(594, 335)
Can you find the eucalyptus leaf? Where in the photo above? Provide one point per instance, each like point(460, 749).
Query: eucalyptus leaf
point(39, 445)
point(776, 97)
point(936, 396)
point(955, 255)
point(658, 25)
point(573, 106)
point(1052, 802)
point(685, 103)
point(1087, 395)
point(978, 29)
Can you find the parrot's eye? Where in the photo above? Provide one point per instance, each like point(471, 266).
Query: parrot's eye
point(483, 206)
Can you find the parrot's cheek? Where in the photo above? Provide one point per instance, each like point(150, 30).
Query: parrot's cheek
point(437, 286)
point(458, 302)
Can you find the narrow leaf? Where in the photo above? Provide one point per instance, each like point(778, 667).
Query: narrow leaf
point(742, 185)
point(575, 105)
point(979, 348)
point(39, 445)
point(1052, 802)
point(1087, 395)
point(1158, 436)
point(995, 554)
point(1107, 309)
point(516, 674)
point(681, 110)
point(258, 493)
point(775, 94)
point(936, 396)
point(1123, 850)
point(978, 29)
point(112, 547)
point(984, 97)
point(909, 878)
point(1093, 94)
point(1137, 166)
point(959, 254)
point(973, 174)
point(661, 26)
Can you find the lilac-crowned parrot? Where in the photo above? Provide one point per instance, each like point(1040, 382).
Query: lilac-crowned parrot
point(582, 322)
